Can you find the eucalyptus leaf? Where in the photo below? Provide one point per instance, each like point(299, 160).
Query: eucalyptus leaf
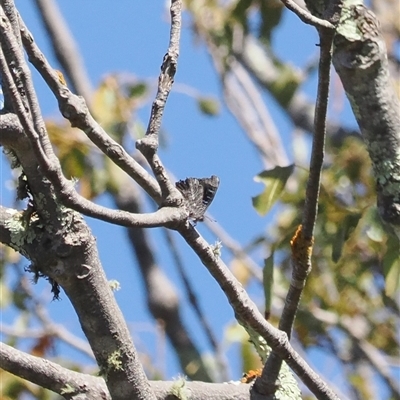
point(268, 281)
point(274, 181)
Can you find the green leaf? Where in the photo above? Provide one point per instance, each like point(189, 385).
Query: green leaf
point(240, 12)
point(268, 281)
point(5, 295)
point(346, 227)
point(137, 90)
point(274, 181)
point(391, 267)
point(271, 13)
point(208, 106)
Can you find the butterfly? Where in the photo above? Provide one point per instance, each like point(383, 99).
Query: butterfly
point(198, 195)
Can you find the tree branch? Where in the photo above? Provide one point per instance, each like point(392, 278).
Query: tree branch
point(360, 59)
point(302, 242)
point(306, 16)
point(148, 146)
point(72, 385)
point(10, 11)
point(246, 104)
point(69, 384)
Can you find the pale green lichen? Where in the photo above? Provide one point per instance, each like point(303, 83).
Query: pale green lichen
point(180, 390)
point(67, 389)
point(114, 285)
point(348, 26)
point(259, 343)
point(216, 248)
point(288, 388)
point(386, 168)
point(20, 233)
point(114, 361)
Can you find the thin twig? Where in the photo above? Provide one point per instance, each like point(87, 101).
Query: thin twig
point(148, 146)
point(275, 149)
point(303, 240)
point(21, 76)
point(302, 244)
point(306, 16)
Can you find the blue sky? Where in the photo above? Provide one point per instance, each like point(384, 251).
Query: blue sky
point(125, 36)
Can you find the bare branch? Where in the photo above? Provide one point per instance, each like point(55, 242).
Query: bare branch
point(10, 11)
point(268, 132)
point(22, 80)
point(302, 242)
point(52, 169)
point(148, 146)
point(54, 331)
point(318, 147)
point(306, 16)
point(246, 104)
point(72, 385)
point(371, 353)
point(166, 216)
point(69, 384)
point(378, 361)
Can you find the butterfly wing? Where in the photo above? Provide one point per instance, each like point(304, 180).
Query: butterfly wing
point(198, 195)
point(192, 192)
point(210, 187)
